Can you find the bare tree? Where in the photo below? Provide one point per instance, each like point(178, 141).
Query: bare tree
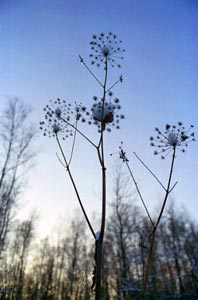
point(76, 258)
point(19, 252)
point(16, 155)
point(61, 271)
point(122, 237)
point(39, 283)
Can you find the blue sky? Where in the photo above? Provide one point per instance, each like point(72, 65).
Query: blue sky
point(40, 44)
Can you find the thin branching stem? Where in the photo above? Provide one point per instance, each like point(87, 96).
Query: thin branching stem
point(103, 162)
point(139, 193)
point(80, 132)
point(75, 187)
point(115, 83)
point(103, 198)
point(73, 144)
point(88, 69)
point(167, 189)
point(60, 161)
point(101, 157)
point(153, 235)
point(99, 143)
point(150, 171)
point(173, 187)
point(148, 266)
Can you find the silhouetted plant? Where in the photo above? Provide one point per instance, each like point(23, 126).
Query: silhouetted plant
point(62, 120)
point(174, 138)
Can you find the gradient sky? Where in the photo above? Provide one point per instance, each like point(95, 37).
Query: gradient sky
point(40, 44)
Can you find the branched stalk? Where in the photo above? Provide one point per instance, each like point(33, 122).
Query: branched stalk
point(73, 144)
point(75, 187)
point(88, 69)
point(103, 162)
point(114, 84)
point(150, 171)
point(139, 193)
point(103, 217)
point(168, 189)
point(148, 266)
point(101, 156)
point(80, 132)
point(153, 234)
point(173, 187)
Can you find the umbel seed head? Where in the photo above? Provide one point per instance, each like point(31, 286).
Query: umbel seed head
point(106, 114)
point(174, 137)
point(58, 116)
point(106, 48)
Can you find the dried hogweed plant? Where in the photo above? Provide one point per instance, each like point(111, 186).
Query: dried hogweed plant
point(173, 139)
point(64, 120)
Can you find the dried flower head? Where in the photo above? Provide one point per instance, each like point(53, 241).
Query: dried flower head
point(122, 154)
point(173, 137)
point(58, 116)
point(106, 48)
point(104, 113)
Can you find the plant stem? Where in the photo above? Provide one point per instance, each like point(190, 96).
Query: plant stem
point(75, 188)
point(101, 156)
point(103, 163)
point(153, 234)
point(98, 269)
point(115, 83)
point(148, 266)
point(150, 171)
point(88, 69)
point(139, 193)
point(82, 134)
point(167, 189)
point(73, 144)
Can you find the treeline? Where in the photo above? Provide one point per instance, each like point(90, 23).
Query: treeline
point(61, 266)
